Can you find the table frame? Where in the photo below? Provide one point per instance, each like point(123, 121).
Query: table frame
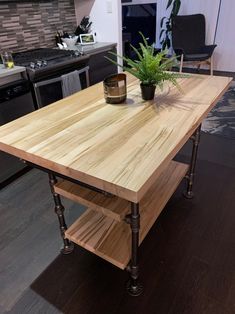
point(134, 286)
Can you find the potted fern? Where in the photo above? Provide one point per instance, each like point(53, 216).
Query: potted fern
point(150, 68)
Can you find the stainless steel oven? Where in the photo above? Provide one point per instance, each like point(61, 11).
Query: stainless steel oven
point(50, 90)
point(45, 66)
point(15, 101)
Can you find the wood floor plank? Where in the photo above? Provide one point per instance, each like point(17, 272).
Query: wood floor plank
point(76, 269)
point(27, 223)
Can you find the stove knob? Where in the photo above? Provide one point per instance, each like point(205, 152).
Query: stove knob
point(39, 63)
point(32, 65)
point(44, 63)
point(9, 92)
point(76, 53)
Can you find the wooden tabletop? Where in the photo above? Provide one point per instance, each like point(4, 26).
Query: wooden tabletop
point(121, 149)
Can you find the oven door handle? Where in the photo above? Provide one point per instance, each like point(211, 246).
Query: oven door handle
point(37, 85)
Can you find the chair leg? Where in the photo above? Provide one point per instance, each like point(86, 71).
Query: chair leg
point(211, 65)
point(181, 62)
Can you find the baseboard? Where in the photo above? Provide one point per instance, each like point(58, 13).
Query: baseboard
point(205, 71)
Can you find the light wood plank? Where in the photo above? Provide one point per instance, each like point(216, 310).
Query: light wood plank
point(121, 149)
point(111, 206)
point(110, 239)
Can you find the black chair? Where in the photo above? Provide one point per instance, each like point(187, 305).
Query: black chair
point(188, 40)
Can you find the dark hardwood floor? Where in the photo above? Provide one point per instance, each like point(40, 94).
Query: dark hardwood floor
point(187, 260)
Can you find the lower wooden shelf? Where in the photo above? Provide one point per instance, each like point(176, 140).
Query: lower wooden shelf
point(111, 206)
point(110, 239)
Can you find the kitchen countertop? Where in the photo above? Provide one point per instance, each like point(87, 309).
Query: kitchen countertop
point(94, 48)
point(6, 72)
point(112, 155)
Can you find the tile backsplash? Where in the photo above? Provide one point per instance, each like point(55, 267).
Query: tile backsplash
point(32, 24)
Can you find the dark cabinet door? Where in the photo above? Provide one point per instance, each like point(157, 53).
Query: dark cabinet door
point(100, 67)
point(10, 110)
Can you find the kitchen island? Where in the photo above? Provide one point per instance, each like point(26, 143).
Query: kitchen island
point(115, 159)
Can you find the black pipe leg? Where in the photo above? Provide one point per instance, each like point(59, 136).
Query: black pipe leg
point(191, 173)
point(134, 287)
point(59, 210)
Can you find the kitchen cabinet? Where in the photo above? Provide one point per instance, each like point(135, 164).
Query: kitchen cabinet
point(99, 66)
point(11, 75)
point(15, 101)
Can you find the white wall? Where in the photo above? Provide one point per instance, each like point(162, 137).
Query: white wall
point(224, 55)
point(108, 25)
point(106, 18)
point(225, 51)
point(207, 7)
point(225, 38)
point(210, 9)
point(82, 8)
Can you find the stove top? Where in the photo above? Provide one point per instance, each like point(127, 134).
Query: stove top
point(43, 63)
point(41, 57)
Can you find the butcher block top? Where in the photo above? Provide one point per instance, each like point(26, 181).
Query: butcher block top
point(121, 149)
